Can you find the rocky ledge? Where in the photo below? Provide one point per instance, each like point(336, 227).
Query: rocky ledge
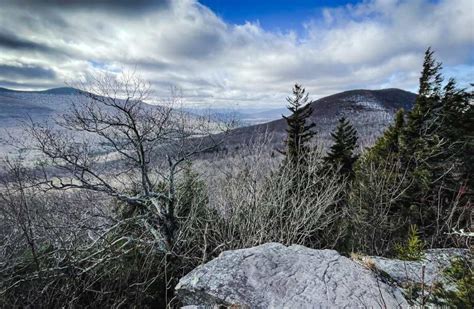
point(275, 276)
point(427, 271)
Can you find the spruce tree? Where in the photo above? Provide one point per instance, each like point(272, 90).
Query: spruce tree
point(433, 147)
point(421, 145)
point(457, 127)
point(342, 151)
point(191, 194)
point(341, 157)
point(389, 142)
point(429, 157)
point(299, 131)
point(422, 119)
point(294, 169)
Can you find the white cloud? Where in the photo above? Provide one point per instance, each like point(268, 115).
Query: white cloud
point(374, 44)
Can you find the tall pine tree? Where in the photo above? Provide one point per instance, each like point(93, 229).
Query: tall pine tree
point(341, 153)
point(299, 131)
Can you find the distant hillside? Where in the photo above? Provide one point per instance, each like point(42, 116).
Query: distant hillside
point(370, 111)
point(39, 105)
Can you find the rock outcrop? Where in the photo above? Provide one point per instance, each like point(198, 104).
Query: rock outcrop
point(429, 281)
point(275, 276)
point(428, 270)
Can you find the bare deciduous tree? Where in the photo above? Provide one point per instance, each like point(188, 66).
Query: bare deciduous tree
point(111, 142)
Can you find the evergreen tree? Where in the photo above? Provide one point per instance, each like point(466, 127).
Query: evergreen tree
point(389, 142)
point(457, 127)
point(412, 250)
point(433, 147)
point(429, 158)
point(341, 155)
point(299, 128)
point(191, 194)
point(342, 151)
point(421, 145)
point(295, 170)
point(423, 119)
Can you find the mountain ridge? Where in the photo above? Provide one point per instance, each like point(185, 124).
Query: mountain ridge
point(370, 111)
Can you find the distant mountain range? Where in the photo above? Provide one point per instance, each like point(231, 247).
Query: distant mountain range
point(39, 105)
point(16, 104)
point(371, 111)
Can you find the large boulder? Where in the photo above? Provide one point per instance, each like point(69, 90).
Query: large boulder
point(275, 276)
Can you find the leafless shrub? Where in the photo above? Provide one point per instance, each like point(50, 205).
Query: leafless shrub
point(256, 211)
point(374, 205)
point(40, 232)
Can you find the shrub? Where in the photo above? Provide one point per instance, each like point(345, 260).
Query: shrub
point(460, 277)
point(412, 250)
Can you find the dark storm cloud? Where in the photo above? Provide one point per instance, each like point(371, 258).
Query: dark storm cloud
point(122, 6)
point(26, 72)
point(13, 42)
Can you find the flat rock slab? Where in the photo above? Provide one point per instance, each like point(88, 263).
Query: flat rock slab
point(434, 262)
point(275, 276)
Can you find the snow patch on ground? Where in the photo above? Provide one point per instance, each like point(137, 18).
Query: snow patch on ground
point(364, 101)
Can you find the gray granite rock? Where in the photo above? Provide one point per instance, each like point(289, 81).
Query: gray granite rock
point(435, 262)
point(275, 276)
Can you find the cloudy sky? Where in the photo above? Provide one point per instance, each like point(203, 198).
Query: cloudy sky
point(235, 52)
